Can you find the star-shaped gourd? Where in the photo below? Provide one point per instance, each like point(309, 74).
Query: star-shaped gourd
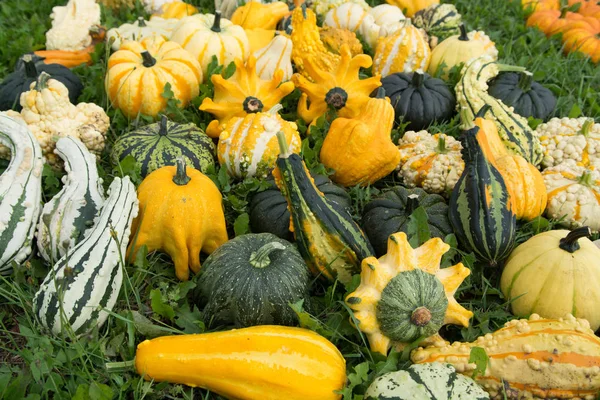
point(404, 295)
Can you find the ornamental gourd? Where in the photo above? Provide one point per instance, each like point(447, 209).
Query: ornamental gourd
point(258, 15)
point(277, 55)
point(404, 295)
point(360, 152)
point(20, 192)
point(410, 7)
point(259, 38)
point(535, 358)
point(439, 21)
point(380, 21)
point(555, 273)
point(346, 16)
point(139, 30)
point(576, 139)
point(334, 38)
point(175, 9)
point(153, 60)
point(181, 213)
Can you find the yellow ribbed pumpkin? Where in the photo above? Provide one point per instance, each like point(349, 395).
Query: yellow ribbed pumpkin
point(254, 14)
point(410, 7)
point(138, 72)
point(276, 55)
point(176, 10)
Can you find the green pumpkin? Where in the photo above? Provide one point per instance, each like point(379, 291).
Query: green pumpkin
point(440, 21)
point(159, 144)
point(251, 280)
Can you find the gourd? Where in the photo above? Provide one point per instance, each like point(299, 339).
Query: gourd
point(584, 38)
point(552, 22)
point(321, 7)
point(181, 213)
point(140, 30)
point(408, 92)
point(431, 162)
point(535, 358)
point(334, 38)
point(329, 240)
point(539, 5)
point(20, 192)
point(348, 16)
point(243, 93)
point(161, 143)
point(439, 21)
point(390, 213)
point(257, 363)
point(403, 51)
point(254, 14)
point(380, 21)
point(259, 38)
point(410, 7)
point(277, 55)
point(208, 35)
point(152, 60)
point(68, 59)
point(563, 139)
point(360, 152)
point(404, 295)
point(26, 72)
point(341, 89)
point(480, 208)
point(69, 216)
point(82, 287)
point(175, 9)
point(432, 381)
point(269, 211)
point(520, 91)
point(248, 145)
point(458, 49)
point(554, 273)
point(472, 95)
point(251, 280)
point(71, 25)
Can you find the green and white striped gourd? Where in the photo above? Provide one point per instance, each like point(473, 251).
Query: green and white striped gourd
point(472, 95)
point(83, 285)
point(69, 216)
point(20, 192)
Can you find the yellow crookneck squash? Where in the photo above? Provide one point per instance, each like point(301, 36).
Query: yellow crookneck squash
point(341, 89)
point(360, 150)
point(181, 213)
point(254, 14)
point(243, 93)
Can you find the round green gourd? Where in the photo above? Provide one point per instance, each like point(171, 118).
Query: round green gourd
point(251, 280)
point(160, 144)
point(440, 21)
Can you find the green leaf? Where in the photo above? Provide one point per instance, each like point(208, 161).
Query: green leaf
point(575, 111)
point(51, 181)
point(480, 358)
point(241, 225)
point(418, 228)
point(129, 166)
point(99, 391)
point(159, 306)
point(145, 326)
point(190, 321)
point(229, 71)
point(308, 321)
point(356, 378)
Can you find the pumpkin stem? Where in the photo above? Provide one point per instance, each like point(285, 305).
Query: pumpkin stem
point(275, 109)
point(141, 22)
point(463, 33)
point(585, 179)
point(149, 61)
point(303, 6)
point(162, 130)
point(284, 150)
point(421, 316)
point(120, 366)
point(42, 81)
point(260, 257)
point(380, 93)
point(412, 203)
point(217, 23)
point(525, 81)
point(570, 242)
point(417, 79)
point(587, 127)
point(181, 178)
point(336, 98)
point(252, 105)
point(30, 69)
point(563, 12)
point(441, 145)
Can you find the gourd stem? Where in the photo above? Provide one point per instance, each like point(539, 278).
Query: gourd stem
point(120, 366)
point(467, 118)
point(252, 105)
point(412, 203)
point(217, 23)
point(141, 22)
point(585, 179)
point(441, 145)
point(421, 316)
point(406, 22)
point(181, 178)
point(463, 33)
point(510, 68)
point(563, 12)
point(570, 242)
point(148, 60)
point(275, 109)
point(587, 127)
point(284, 151)
point(380, 93)
point(417, 79)
point(162, 130)
point(42, 81)
point(30, 69)
point(525, 81)
point(303, 6)
point(260, 257)
point(336, 98)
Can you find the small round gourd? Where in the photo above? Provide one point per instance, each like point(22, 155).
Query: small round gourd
point(277, 55)
point(410, 7)
point(346, 16)
point(439, 21)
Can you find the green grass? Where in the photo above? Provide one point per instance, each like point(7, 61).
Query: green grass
point(36, 365)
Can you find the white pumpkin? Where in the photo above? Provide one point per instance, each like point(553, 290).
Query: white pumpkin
point(347, 16)
point(139, 30)
point(381, 21)
point(276, 55)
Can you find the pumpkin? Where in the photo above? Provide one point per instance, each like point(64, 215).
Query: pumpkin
point(571, 258)
point(341, 89)
point(584, 38)
point(243, 93)
point(259, 38)
point(384, 14)
point(334, 38)
point(181, 213)
point(529, 359)
point(258, 15)
point(439, 21)
point(160, 144)
point(208, 35)
point(139, 30)
point(138, 73)
point(380, 21)
point(520, 91)
point(588, 8)
point(390, 213)
point(277, 55)
point(346, 16)
point(269, 211)
point(408, 92)
point(251, 280)
point(248, 145)
point(175, 9)
point(539, 5)
point(410, 7)
point(321, 7)
point(26, 72)
point(403, 51)
point(404, 295)
point(434, 381)
point(552, 22)
point(573, 194)
point(458, 49)
point(432, 162)
point(575, 139)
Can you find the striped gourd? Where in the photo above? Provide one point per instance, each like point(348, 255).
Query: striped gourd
point(330, 242)
point(472, 95)
point(69, 216)
point(480, 209)
point(277, 55)
point(83, 285)
point(346, 16)
point(20, 192)
point(159, 144)
point(529, 359)
point(439, 21)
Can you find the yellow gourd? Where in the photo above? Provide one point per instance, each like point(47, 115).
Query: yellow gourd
point(176, 10)
point(259, 38)
point(181, 213)
point(254, 14)
point(410, 7)
point(334, 38)
point(358, 150)
point(277, 55)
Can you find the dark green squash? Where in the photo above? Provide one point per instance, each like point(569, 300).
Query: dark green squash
point(519, 90)
point(250, 280)
point(159, 144)
point(391, 213)
point(269, 210)
point(440, 21)
point(26, 72)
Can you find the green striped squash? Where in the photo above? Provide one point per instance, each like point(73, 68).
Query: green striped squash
point(429, 381)
point(329, 240)
point(69, 216)
point(20, 192)
point(438, 20)
point(159, 144)
point(82, 287)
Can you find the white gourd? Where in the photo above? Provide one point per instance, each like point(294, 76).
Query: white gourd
point(276, 55)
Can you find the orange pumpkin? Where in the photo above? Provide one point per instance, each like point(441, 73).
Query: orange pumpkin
point(540, 5)
point(584, 37)
point(552, 22)
point(588, 8)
